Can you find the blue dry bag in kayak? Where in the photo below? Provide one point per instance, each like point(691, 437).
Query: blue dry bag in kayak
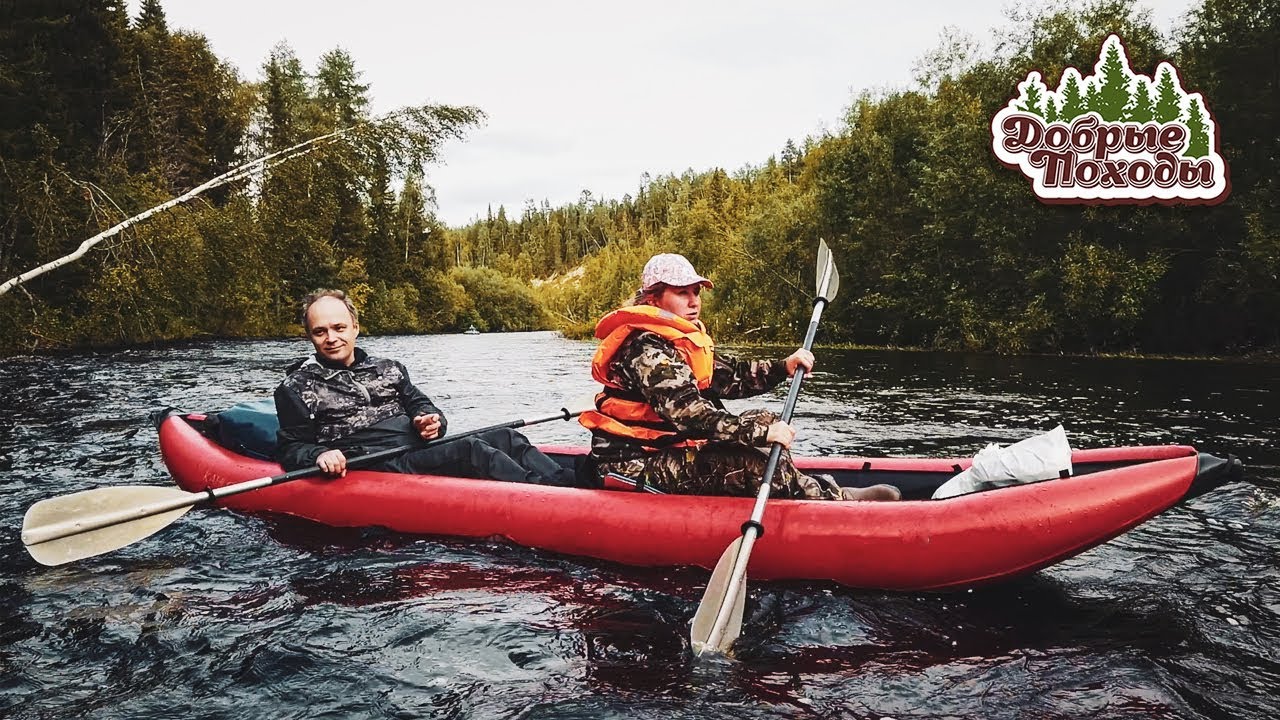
point(249, 428)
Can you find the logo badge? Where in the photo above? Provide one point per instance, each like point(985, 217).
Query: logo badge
point(1113, 138)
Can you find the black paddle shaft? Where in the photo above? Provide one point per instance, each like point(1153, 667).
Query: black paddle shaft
point(372, 458)
point(793, 394)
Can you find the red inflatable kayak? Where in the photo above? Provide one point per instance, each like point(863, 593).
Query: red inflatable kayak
point(915, 544)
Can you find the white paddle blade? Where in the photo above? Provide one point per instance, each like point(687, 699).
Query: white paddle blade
point(134, 512)
point(828, 277)
point(712, 600)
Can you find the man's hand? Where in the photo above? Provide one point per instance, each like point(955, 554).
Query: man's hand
point(333, 462)
point(802, 358)
point(780, 432)
point(428, 426)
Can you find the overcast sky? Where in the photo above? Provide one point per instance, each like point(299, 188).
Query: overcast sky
point(592, 94)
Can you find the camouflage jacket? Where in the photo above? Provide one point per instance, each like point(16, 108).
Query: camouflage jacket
point(651, 366)
point(357, 409)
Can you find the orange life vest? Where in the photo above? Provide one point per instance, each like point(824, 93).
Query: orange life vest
point(623, 412)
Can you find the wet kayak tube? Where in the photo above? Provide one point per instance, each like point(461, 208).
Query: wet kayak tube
point(915, 544)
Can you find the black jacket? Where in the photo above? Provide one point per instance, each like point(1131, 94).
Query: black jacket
point(359, 409)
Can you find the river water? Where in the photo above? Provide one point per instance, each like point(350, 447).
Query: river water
point(224, 615)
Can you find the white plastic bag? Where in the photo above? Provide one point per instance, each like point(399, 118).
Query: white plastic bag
point(1039, 457)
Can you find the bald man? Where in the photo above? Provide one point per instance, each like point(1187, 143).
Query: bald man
point(342, 402)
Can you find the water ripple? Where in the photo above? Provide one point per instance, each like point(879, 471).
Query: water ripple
point(225, 615)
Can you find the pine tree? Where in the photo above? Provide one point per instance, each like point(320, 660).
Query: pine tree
point(382, 258)
point(294, 217)
point(501, 232)
point(63, 91)
point(188, 122)
point(152, 17)
point(284, 100)
point(1051, 113)
point(1168, 103)
point(1142, 109)
point(341, 96)
point(1232, 50)
point(1113, 85)
point(345, 170)
point(422, 246)
point(790, 160)
point(1073, 104)
point(1198, 144)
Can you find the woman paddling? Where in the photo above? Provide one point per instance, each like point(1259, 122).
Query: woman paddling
point(659, 420)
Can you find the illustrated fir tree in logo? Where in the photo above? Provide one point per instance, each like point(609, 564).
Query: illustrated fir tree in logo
point(1116, 94)
point(1199, 144)
point(1168, 101)
point(1072, 100)
point(1090, 97)
point(1113, 89)
point(1141, 109)
point(1034, 95)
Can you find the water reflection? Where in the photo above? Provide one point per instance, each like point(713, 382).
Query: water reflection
point(229, 615)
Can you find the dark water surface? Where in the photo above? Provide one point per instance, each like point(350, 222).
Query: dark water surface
point(225, 615)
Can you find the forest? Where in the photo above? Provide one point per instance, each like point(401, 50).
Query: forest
point(939, 245)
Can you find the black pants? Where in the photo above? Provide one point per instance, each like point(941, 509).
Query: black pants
point(498, 454)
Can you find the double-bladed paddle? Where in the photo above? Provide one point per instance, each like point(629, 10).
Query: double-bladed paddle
point(718, 620)
point(91, 522)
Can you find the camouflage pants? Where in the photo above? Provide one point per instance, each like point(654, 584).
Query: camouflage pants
point(720, 469)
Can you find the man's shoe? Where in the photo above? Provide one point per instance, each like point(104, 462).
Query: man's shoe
point(875, 492)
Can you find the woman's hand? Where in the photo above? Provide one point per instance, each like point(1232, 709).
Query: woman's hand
point(780, 432)
point(799, 358)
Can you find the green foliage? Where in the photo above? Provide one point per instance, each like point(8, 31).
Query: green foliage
point(501, 302)
point(443, 303)
point(342, 100)
point(938, 245)
point(605, 280)
point(764, 291)
point(1105, 293)
point(390, 310)
point(941, 247)
point(152, 288)
point(123, 118)
point(1229, 52)
point(240, 279)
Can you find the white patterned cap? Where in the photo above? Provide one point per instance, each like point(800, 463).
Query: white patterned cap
point(670, 269)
